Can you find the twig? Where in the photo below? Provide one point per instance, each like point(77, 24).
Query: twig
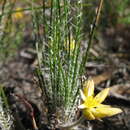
point(30, 108)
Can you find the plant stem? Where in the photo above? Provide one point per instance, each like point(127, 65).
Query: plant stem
point(84, 59)
point(68, 126)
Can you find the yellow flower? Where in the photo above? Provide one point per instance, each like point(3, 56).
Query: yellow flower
point(70, 44)
point(92, 106)
point(18, 14)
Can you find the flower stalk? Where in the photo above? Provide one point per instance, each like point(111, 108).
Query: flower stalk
point(69, 125)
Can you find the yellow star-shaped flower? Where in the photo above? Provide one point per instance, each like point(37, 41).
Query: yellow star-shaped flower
point(18, 15)
point(92, 106)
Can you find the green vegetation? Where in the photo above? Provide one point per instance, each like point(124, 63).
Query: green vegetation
point(6, 120)
point(59, 58)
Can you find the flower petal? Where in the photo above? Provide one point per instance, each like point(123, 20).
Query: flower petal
point(88, 114)
point(88, 88)
point(82, 106)
point(102, 105)
point(90, 102)
point(82, 95)
point(100, 97)
point(105, 112)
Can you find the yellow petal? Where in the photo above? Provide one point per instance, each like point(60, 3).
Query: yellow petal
point(82, 95)
point(90, 102)
point(82, 106)
point(102, 105)
point(100, 97)
point(70, 44)
point(105, 112)
point(88, 88)
point(88, 114)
